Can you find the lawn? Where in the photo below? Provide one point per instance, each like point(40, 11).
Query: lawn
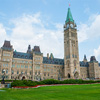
point(65, 92)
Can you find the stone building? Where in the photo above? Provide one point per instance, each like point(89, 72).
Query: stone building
point(32, 65)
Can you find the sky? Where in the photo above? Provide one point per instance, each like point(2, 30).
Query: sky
point(40, 22)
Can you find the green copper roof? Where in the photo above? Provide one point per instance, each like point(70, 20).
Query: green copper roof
point(69, 16)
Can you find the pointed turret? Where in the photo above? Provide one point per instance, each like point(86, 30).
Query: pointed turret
point(85, 59)
point(29, 49)
point(69, 16)
point(51, 56)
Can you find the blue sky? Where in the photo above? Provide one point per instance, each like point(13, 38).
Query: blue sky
point(40, 22)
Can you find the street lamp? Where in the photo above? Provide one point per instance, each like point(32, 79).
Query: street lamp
point(3, 81)
point(22, 75)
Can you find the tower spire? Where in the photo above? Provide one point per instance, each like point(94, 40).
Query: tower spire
point(69, 16)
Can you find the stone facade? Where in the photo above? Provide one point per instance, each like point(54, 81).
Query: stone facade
point(32, 65)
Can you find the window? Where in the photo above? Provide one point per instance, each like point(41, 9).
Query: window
point(26, 66)
point(18, 66)
point(51, 70)
point(37, 58)
point(37, 62)
point(67, 25)
point(30, 67)
point(37, 67)
point(30, 62)
point(21, 72)
point(74, 62)
point(13, 65)
point(68, 64)
point(25, 72)
point(6, 54)
point(35, 73)
point(44, 69)
point(26, 57)
point(71, 25)
point(12, 72)
point(39, 73)
point(8, 60)
point(22, 66)
point(2, 70)
point(48, 69)
point(17, 72)
point(7, 65)
point(44, 74)
point(7, 71)
point(26, 61)
point(4, 59)
point(13, 60)
point(6, 77)
point(30, 73)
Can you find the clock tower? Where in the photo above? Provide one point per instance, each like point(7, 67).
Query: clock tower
point(71, 53)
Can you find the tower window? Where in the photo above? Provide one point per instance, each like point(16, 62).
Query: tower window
point(71, 25)
point(67, 25)
point(74, 62)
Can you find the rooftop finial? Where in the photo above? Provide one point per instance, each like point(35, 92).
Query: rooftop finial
point(69, 4)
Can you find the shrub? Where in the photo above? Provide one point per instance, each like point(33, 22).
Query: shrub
point(51, 81)
point(23, 83)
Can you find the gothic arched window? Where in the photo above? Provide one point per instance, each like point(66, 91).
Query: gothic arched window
point(74, 62)
point(68, 64)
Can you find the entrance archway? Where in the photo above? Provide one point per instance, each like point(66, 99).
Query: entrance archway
point(23, 78)
point(76, 75)
point(68, 75)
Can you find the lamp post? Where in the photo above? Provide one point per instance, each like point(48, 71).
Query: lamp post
point(3, 81)
point(22, 75)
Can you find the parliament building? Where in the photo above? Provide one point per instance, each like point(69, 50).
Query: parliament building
point(32, 65)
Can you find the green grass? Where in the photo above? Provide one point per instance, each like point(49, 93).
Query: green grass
point(66, 92)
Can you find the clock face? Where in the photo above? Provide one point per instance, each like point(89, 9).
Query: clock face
point(71, 25)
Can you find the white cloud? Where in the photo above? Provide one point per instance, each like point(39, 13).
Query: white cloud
point(3, 35)
point(91, 29)
point(30, 29)
point(82, 33)
point(97, 53)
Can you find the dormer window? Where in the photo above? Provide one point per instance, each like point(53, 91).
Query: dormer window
point(30, 57)
point(18, 55)
point(22, 56)
point(26, 57)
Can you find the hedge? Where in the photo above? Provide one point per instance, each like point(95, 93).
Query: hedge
point(51, 81)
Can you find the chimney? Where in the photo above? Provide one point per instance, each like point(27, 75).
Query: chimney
point(48, 55)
